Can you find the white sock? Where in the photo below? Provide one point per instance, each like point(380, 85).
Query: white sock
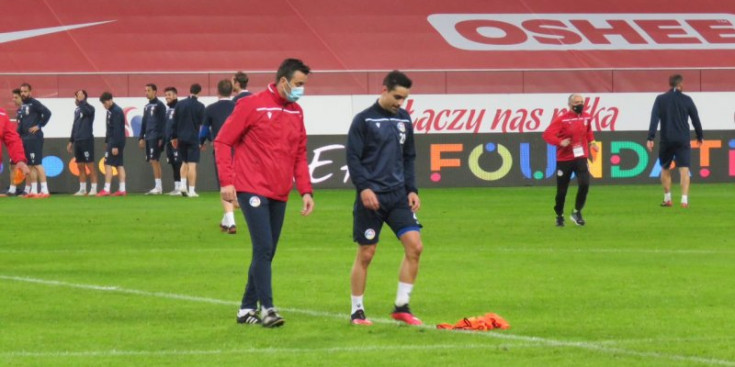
point(12, 189)
point(357, 304)
point(191, 189)
point(83, 186)
point(667, 196)
point(93, 187)
point(122, 186)
point(159, 185)
point(404, 293)
point(44, 187)
point(34, 188)
point(107, 187)
point(230, 218)
point(177, 185)
point(264, 311)
point(685, 199)
point(27, 189)
point(183, 184)
point(244, 311)
point(224, 220)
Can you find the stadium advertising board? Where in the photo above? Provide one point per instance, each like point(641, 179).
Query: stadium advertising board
point(462, 140)
point(430, 34)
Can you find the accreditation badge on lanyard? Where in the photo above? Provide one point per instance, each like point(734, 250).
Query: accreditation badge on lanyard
point(578, 151)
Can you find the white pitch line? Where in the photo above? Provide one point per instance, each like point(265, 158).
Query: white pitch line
point(363, 348)
point(490, 249)
point(612, 250)
point(498, 335)
point(665, 340)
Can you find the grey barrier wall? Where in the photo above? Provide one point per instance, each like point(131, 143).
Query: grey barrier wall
point(443, 160)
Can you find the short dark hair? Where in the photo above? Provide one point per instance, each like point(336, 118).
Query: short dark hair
point(289, 67)
point(242, 79)
point(171, 89)
point(26, 85)
point(396, 78)
point(675, 80)
point(153, 86)
point(224, 88)
point(195, 88)
point(106, 96)
point(16, 91)
point(83, 92)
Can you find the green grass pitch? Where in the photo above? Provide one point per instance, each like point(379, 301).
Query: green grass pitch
point(150, 281)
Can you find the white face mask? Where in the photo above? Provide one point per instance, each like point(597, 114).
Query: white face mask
point(295, 93)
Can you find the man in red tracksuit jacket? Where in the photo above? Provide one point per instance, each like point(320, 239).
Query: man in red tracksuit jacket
point(267, 133)
point(572, 135)
point(9, 136)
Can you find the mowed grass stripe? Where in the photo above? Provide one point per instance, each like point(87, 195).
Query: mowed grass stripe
point(597, 347)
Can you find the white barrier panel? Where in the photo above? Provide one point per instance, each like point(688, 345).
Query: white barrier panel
point(455, 113)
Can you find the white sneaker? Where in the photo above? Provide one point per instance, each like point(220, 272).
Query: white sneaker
point(81, 193)
point(154, 191)
point(92, 192)
point(184, 193)
point(174, 193)
point(193, 194)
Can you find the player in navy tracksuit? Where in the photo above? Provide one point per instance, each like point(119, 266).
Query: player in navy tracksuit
point(240, 86)
point(81, 143)
point(215, 116)
point(33, 116)
point(188, 118)
point(674, 109)
point(152, 135)
point(172, 154)
point(115, 139)
point(380, 159)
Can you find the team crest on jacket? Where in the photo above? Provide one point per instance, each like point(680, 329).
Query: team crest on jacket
point(401, 127)
point(254, 201)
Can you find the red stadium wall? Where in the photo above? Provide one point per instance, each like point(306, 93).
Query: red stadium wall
point(472, 46)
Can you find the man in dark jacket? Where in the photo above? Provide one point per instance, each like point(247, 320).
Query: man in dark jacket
point(32, 118)
point(215, 116)
point(380, 159)
point(152, 134)
point(674, 109)
point(188, 118)
point(81, 143)
point(115, 139)
point(172, 154)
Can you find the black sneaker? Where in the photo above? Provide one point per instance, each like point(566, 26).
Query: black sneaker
point(577, 218)
point(359, 318)
point(272, 319)
point(249, 318)
point(559, 221)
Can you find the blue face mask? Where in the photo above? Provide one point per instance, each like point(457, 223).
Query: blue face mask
point(295, 93)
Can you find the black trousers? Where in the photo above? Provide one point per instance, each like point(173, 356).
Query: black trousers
point(564, 172)
point(265, 220)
